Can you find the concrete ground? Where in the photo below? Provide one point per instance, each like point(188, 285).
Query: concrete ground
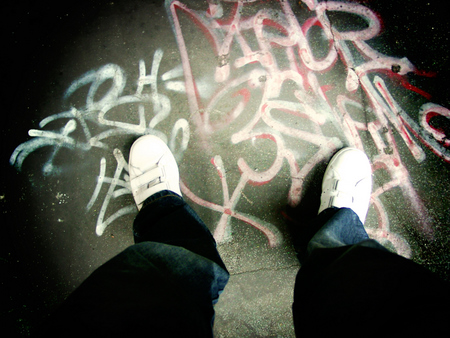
point(253, 98)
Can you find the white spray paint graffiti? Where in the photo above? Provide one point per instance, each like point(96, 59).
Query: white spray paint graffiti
point(97, 111)
point(228, 29)
point(315, 105)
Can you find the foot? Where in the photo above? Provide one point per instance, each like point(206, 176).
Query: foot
point(347, 182)
point(152, 169)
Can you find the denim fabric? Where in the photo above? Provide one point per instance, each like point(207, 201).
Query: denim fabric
point(350, 283)
point(166, 218)
point(333, 227)
point(165, 285)
point(338, 227)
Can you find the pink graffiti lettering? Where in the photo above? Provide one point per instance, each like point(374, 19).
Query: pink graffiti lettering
point(259, 39)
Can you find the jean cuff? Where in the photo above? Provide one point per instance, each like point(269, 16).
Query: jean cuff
point(160, 195)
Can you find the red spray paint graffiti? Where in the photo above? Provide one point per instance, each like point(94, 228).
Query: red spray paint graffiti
point(302, 87)
point(276, 30)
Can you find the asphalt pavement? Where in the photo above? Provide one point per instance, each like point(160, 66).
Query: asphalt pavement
point(253, 98)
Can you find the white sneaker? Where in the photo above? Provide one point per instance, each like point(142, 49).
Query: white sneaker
point(152, 169)
point(347, 182)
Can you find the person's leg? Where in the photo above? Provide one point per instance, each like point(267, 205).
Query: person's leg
point(168, 282)
point(164, 216)
point(338, 227)
point(345, 197)
point(350, 283)
point(167, 218)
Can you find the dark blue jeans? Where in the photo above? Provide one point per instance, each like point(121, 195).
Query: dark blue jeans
point(167, 283)
point(351, 284)
point(337, 228)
